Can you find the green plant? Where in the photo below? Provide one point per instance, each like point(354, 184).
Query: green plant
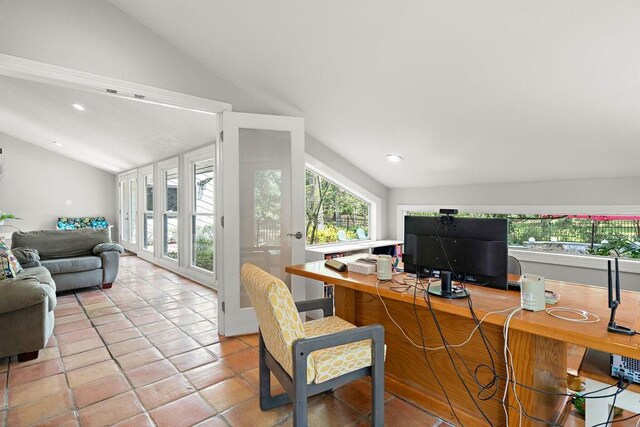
point(618, 246)
point(4, 215)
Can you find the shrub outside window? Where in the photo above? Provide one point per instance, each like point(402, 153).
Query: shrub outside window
point(333, 214)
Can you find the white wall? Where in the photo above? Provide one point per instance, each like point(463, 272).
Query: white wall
point(38, 182)
point(598, 193)
point(96, 37)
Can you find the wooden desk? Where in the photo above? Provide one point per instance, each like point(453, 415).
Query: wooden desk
point(537, 340)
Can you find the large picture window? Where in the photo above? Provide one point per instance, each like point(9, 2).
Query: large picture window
point(333, 214)
point(170, 214)
point(577, 234)
point(202, 214)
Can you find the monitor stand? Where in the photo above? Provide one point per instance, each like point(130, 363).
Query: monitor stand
point(445, 289)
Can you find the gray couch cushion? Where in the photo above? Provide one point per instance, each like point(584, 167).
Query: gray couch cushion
point(41, 276)
point(53, 244)
point(72, 265)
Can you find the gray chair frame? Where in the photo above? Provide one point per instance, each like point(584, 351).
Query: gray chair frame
point(514, 266)
point(297, 389)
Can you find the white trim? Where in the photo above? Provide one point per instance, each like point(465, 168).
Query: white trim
point(375, 212)
point(585, 261)
point(163, 167)
point(143, 172)
point(13, 66)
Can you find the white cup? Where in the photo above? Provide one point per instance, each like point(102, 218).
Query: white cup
point(384, 267)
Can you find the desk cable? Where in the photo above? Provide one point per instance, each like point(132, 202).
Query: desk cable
point(585, 316)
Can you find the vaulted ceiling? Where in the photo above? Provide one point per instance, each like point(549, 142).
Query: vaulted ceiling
point(465, 91)
point(112, 133)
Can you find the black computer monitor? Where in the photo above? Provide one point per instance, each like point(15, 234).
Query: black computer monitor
point(475, 250)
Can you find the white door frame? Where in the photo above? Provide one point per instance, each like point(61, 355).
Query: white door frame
point(124, 179)
point(233, 320)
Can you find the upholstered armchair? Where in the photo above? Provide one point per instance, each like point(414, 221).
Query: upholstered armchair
point(312, 357)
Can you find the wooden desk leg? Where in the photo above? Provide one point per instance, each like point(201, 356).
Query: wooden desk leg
point(345, 302)
point(540, 363)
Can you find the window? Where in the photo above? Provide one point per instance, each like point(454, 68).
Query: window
point(170, 214)
point(147, 222)
point(202, 214)
point(603, 235)
point(333, 214)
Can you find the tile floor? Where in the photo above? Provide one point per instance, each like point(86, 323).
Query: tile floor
point(146, 352)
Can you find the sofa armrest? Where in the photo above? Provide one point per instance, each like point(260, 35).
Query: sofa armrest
point(110, 265)
point(16, 294)
point(107, 247)
point(31, 264)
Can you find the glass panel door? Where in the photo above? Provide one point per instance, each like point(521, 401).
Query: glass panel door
point(263, 171)
point(127, 218)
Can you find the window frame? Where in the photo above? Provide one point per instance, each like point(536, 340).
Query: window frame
point(375, 203)
point(570, 260)
point(143, 173)
point(163, 167)
point(189, 161)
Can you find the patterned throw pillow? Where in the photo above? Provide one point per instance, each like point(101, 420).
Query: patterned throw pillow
point(8, 262)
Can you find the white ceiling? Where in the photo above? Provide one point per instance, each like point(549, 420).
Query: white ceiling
point(113, 134)
point(466, 91)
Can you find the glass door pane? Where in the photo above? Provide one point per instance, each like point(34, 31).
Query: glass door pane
point(133, 209)
point(170, 215)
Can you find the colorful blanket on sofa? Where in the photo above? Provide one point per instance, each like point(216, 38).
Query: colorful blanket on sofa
point(65, 223)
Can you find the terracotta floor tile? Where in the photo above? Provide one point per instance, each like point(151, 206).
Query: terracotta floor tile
point(166, 336)
point(165, 391)
point(97, 305)
point(357, 395)
point(86, 358)
point(399, 413)
point(151, 373)
point(66, 311)
point(140, 420)
point(251, 340)
point(151, 328)
point(138, 312)
point(325, 410)
point(207, 338)
point(213, 422)
point(80, 346)
point(35, 412)
point(81, 334)
point(129, 346)
point(3, 390)
point(103, 312)
point(184, 412)
point(207, 375)
point(100, 389)
point(249, 414)
point(49, 353)
point(178, 346)
point(70, 319)
point(35, 372)
point(108, 319)
point(91, 373)
point(133, 305)
point(243, 360)
point(228, 393)
point(149, 318)
point(139, 358)
point(227, 347)
point(65, 420)
point(115, 326)
point(121, 335)
point(103, 413)
point(167, 306)
point(36, 390)
point(253, 377)
point(177, 312)
point(199, 327)
point(192, 359)
point(187, 319)
point(73, 326)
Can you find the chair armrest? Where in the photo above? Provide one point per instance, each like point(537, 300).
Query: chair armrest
point(326, 304)
point(107, 247)
point(16, 294)
point(375, 333)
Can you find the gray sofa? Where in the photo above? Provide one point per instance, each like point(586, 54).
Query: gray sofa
point(75, 258)
point(26, 313)
point(52, 261)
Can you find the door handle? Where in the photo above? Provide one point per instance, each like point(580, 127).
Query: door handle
point(297, 235)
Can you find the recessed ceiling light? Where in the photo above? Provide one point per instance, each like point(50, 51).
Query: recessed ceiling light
point(57, 143)
point(78, 107)
point(394, 158)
